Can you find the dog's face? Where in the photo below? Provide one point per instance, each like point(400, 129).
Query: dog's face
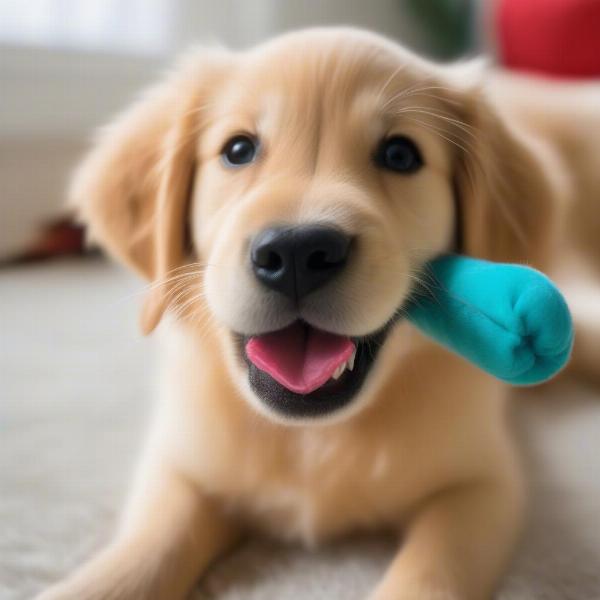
point(317, 201)
point(311, 179)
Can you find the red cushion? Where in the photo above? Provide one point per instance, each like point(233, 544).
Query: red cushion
point(559, 37)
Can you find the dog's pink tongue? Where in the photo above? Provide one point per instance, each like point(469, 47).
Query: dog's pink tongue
point(299, 357)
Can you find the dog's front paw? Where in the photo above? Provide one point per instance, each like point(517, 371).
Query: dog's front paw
point(415, 590)
point(77, 589)
point(415, 595)
point(108, 576)
point(81, 588)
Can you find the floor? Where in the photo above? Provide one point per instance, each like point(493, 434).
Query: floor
point(75, 393)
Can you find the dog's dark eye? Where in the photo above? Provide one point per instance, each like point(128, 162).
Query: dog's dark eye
point(239, 150)
point(399, 154)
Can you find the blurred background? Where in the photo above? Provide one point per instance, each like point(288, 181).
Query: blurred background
point(74, 374)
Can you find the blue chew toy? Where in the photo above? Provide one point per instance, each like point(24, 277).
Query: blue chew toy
point(509, 320)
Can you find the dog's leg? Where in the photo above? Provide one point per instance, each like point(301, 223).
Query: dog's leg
point(457, 544)
point(172, 534)
point(577, 279)
point(585, 362)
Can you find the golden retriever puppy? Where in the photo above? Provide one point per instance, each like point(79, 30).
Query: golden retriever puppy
point(283, 202)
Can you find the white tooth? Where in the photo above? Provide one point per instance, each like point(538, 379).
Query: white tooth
point(351, 361)
point(338, 372)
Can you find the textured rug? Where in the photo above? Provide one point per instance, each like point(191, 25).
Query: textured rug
point(75, 393)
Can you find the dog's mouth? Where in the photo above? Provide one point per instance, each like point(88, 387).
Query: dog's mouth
point(301, 371)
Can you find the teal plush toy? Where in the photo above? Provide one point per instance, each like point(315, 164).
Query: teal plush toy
point(509, 320)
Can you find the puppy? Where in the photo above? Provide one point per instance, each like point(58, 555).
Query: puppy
point(283, 202)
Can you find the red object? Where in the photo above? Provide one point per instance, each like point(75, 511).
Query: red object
point(60, 238)
point(557, 37)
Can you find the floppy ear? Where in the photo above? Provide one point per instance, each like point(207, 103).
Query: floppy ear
point(133, 188)
point(505, 194)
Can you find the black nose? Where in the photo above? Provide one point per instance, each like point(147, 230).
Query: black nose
point(297, 260)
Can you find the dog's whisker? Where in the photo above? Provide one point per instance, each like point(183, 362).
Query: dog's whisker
point(465, 148)
point(175, 281)
point(181, 294)
point(144, 290)
point(181, 271)
point(464, 127)
point(405, 92)
point(394, 74)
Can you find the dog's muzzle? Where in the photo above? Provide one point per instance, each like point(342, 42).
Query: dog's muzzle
point(303, 371)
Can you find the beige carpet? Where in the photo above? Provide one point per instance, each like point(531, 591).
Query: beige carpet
point(75, 391)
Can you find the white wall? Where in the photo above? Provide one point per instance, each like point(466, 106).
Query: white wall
point(55, 91)
point(51, 101)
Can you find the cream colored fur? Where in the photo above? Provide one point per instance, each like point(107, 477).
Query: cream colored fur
point(424, 449)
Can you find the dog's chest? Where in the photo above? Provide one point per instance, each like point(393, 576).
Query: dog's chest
point(310, 486)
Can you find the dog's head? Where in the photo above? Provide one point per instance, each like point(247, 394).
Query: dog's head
point(292, 194)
